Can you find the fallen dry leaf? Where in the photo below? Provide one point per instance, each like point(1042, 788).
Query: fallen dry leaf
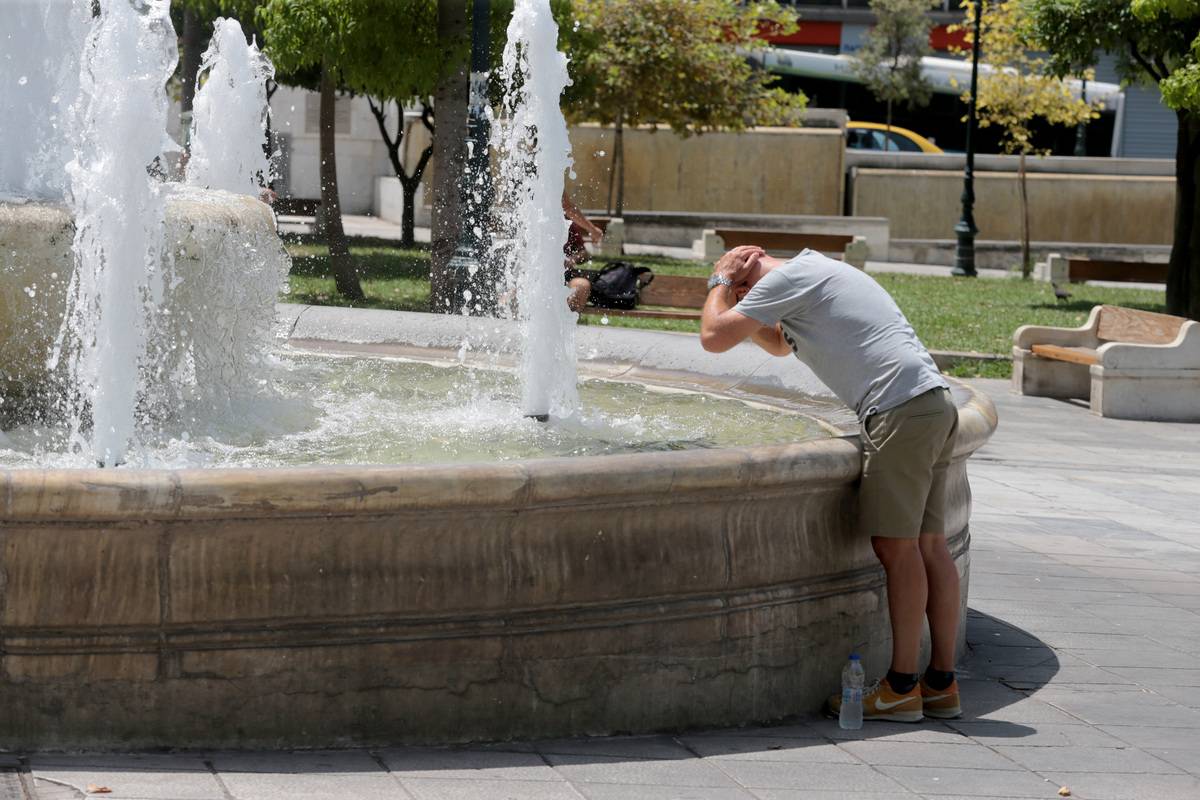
point(94, 789)
point(1064, 792)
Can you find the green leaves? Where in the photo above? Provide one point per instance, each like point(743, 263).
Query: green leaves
point(1021, 86)
point(889, 62)
point(681, 65)
point(384, 48)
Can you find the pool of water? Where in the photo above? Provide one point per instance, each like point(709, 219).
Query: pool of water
point(326, 409)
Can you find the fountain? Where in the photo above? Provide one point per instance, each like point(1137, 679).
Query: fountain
point(251, 604)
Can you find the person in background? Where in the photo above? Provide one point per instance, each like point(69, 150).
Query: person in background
point(575, 252)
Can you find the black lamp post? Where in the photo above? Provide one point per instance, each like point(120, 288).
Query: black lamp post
point(469, 264)
point(965, 230)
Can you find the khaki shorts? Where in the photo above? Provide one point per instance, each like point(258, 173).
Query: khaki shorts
point(906, 451)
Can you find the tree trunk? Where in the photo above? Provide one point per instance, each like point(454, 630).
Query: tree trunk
point(450, 101)
point(1183, 274)
point(612, 170)
point(189, 62)
point(619, 149)
point(1026, 260)
point(344, 274)
point(408, 221)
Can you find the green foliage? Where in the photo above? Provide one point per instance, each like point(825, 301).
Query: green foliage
point(1154, 40)
point(1022, 86)
point(384, 48)
point(889, 62)
point(680, 65)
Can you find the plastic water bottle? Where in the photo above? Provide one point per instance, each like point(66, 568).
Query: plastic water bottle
point(851, 716)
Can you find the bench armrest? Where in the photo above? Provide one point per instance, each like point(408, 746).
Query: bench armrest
point(1183, 353)
point(1084, 336)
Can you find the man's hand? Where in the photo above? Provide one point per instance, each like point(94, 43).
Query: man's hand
point(737, 263)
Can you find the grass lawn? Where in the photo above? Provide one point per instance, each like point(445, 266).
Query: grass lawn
point(977, 315)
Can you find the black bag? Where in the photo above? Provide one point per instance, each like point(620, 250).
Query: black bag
point(617, 285)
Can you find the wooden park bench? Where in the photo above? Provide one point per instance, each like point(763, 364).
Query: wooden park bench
point(849, 248)
point(1130, 364)
point(1060, 269)
point(665, 297)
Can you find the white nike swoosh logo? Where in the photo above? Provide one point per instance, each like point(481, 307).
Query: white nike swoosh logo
point(888, 706)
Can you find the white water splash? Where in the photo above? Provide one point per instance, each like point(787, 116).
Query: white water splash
point(40, 42)
point(129, 55)
point(535, 152)
point(229, 115)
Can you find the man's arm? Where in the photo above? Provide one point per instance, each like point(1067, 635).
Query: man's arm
point(721, 328)
point(770, 338)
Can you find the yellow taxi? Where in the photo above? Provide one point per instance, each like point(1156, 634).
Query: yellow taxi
point(876, 136)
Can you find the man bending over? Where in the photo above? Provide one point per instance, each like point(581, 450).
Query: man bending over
point(841, 323)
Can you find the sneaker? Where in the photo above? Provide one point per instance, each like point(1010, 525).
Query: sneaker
point(881, 703)
point(941, 703)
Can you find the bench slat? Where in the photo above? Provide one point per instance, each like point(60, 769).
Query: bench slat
point(1075, 355)
point(675, 290)
point(785, 240)
point(1086, 269)
point(1119, 324)
point(642, 313)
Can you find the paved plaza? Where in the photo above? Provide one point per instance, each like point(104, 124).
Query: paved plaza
point(1083, 671)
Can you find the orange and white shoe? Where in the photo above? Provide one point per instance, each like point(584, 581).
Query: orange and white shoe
point(941, 703)
point(881, 703)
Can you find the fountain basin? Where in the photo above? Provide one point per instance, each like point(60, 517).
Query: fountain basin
point(211, 235)
point(366, 605)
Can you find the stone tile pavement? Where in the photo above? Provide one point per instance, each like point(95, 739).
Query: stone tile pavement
point(1084, 670)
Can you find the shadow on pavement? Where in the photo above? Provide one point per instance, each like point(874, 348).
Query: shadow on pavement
point(1003, 666)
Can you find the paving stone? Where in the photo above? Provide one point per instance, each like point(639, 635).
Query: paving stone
point(309, 761)
point(145, 784)
point(809, 794)
point(928, 731)
point(1039, 735)
point(163, 762)
point(621, 746)
point(329, 785)
point(1108, 786)
point(1122, 708)
point(463, 789)
point(925, 754)
point(613, 791)
point(755, 775)
point(603, 769)
point(466, 763)
point(748, 748)
point(1075, 759)
point(970, 782)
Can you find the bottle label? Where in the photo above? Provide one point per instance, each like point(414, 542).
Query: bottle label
point(851, 695)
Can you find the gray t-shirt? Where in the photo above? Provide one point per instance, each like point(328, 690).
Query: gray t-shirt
point(847, 328)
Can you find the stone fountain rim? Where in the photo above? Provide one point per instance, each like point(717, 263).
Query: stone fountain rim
point(634, 355)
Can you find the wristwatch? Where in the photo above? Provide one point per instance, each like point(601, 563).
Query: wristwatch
point(718, 280)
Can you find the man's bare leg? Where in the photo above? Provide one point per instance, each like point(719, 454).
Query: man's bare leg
point(943, 605)
point(907, 590)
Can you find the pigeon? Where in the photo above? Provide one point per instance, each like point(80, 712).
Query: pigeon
point(1061, 294)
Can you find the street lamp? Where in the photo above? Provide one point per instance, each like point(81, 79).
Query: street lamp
point(964, 254)
point(473, 287)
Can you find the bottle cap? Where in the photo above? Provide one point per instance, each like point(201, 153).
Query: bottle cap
point(854, 656)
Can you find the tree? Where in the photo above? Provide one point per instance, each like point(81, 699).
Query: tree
point(1156, 41)
point(889, 62)
point(1017, 90)
point(449, 148)
point(680, 65)
point(304, 35)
